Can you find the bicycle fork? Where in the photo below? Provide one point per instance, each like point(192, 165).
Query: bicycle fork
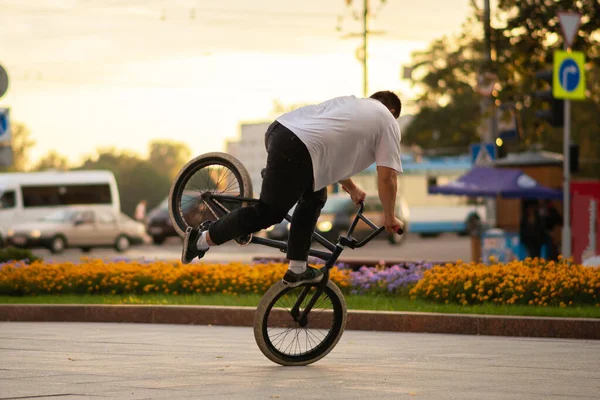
point(301, 318)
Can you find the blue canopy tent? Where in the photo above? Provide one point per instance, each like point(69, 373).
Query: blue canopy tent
point(492, 182)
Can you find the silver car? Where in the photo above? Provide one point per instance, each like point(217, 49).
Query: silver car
point(84, 228)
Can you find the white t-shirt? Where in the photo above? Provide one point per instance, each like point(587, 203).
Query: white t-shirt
point(344, 136)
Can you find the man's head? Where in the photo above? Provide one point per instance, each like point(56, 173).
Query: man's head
point(390, 100)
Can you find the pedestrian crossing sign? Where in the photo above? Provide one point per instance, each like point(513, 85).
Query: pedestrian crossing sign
point(483, 155)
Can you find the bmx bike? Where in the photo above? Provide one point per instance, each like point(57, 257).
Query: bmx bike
point(293, 326)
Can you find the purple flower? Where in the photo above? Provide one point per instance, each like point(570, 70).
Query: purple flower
point(393, 279)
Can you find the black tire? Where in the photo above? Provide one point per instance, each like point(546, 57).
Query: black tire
point(242, 187)
point(158, 239)
point(58, 244)
point(265, 312)
point(122, 243)
point(429, 235)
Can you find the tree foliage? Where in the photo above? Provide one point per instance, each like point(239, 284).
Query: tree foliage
point(523, 37)
point(525, 44)
point(169, 156)
point(446, 73)
point(21, 143)
point(52, 160)
point(138, 178)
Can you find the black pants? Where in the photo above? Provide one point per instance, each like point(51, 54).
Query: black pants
point(288, 179)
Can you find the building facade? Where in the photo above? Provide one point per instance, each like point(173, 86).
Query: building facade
point(249, 148)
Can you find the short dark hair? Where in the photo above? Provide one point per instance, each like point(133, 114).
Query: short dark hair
point(390, 100)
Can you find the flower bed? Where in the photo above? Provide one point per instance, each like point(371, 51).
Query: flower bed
point(123, 277)
point(533, 282)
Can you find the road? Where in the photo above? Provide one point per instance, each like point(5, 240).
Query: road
point(444, 248)
point(148, 361)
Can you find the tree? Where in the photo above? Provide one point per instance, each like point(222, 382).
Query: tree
point(21, 143)
point(524, 36)
point(137, 178)
point(525, 44)
point(449, 107)
point(169, 156)
point(52, 160)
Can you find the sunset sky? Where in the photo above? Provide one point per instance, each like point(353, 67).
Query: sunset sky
point(92, 73)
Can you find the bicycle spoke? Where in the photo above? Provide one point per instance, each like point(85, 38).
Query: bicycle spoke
point(212, 178)
point(312, 334)
point(286, 335)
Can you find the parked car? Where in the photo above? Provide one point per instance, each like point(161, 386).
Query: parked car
point(337, 215)
point(339, 212)
point(281, 230)
point(158, 221)
point(80, 227)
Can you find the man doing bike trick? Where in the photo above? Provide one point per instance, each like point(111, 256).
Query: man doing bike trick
point(307, 150)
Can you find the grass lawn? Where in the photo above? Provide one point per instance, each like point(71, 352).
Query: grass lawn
point(377, 303)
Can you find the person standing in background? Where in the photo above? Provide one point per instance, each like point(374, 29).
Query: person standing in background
point(531, 230)
point(551, 220)
point(140, 211)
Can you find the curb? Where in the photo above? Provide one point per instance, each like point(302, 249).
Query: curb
point(388, 321)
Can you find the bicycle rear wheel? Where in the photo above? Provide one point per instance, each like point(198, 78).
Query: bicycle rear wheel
point(286, 342)
point(218, 173)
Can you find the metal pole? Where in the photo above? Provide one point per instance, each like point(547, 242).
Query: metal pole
point(487, 103)
point(365, 34)
point(566, 232)
point(487, 136)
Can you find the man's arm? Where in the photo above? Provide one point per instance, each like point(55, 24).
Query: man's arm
point(347, 184)
point(356, 194)
point(387, 187)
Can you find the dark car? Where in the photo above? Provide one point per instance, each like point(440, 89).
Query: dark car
point(337, 215)
point(158, 221)
point(281, 230)
point(339, 212)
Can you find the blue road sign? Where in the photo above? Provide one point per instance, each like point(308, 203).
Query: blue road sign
point(479, 157)
point(568, 75)
point(4, 125)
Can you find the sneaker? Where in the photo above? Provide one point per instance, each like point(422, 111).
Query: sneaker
point(311, 275)
point(190, 250)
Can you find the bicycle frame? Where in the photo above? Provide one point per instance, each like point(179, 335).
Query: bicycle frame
point(335, 250)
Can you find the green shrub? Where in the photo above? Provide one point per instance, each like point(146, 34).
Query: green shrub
point(17, 254)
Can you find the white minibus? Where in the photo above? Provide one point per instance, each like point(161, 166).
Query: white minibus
point(29, 196)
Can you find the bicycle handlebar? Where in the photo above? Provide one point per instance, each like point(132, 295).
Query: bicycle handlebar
point(400, 231)
point(376, 229)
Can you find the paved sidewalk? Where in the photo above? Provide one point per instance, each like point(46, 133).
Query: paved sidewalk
point(151, 361)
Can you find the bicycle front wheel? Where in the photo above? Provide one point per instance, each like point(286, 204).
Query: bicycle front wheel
point(217, 173)
point(288, 342)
